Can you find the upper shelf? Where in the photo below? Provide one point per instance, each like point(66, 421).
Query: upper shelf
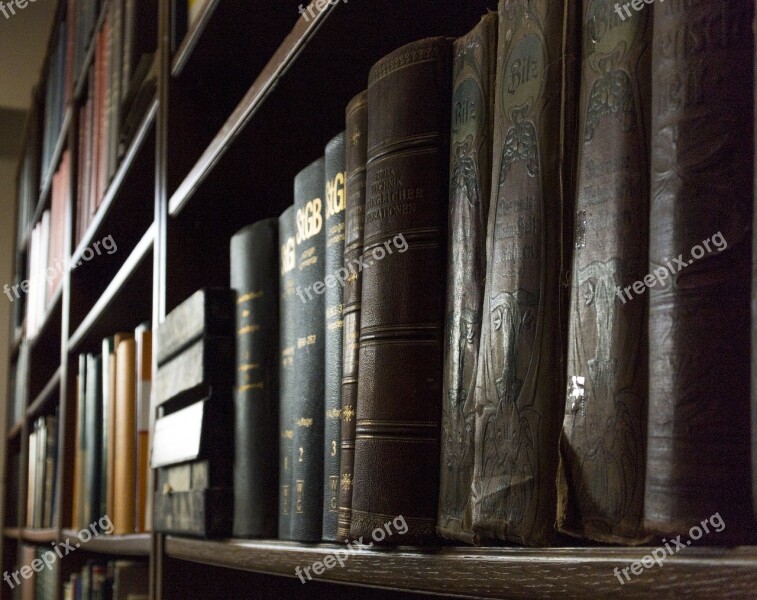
point(704, 572)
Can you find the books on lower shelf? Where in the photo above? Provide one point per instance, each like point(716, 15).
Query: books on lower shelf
point(112, 580)
point(110, 470)
point(42, 473)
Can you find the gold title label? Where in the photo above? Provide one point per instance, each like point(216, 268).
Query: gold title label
point(306, 341)
point(252, 386)
point(335, 195)
point(250, 296)
point(288, 255)
point(334, 413)
point(249, 329)
point(287, 434)
point(309, 220)
point(304, 422)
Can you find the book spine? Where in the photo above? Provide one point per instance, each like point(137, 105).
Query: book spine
point(106, 501)
point(287, 310)
point(524, 324)
point(208, 312)
point(93, 424)
point(604, 428)
point(402, 317)
point(254, 263)
point(355, 159)
point(334, 324)
point(701, 238)
point(473, 74)
point(125, 467)
point(308, 401)
point(143, 338)
point(208, 362)
point(77, 517)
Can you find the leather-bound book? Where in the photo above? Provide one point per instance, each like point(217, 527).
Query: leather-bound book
point(396, 470)
point(334, 275)
point(698, 460)
point(474, 70)
point(287, 309)
point(93, 435)
point(308, 400)
point(603, 445)
point(355, 156)
point(254, 277)
point(519, 383)
point(124, 492)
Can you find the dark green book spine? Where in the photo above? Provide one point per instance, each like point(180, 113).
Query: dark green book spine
point(307, 465)
point(287, 307)
point(93, 424)
point(334, 324)
point(254, 262)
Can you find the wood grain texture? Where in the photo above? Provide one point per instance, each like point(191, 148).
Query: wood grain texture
point(497, 573)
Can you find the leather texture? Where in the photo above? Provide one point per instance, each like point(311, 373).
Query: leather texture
point(702, 162)
point(254, 278)
point(287, 306)
point(474, 72)
point(334, 203)
point(208, 312)
point(355, 155)
point(308, 400)
point(520, 377)
point(603, 445)
point(396, 469)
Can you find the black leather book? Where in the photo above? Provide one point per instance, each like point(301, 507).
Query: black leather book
point(208, 312)
point(334, 324)
point(287, 308)
point(254, 264)
point(208, 363)
point(355, 157)
point(307, 416)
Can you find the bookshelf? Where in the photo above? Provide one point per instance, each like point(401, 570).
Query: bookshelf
point(246, 95)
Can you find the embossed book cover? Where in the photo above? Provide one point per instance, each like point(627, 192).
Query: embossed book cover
point(474, 70)
point(603, 446)
point(519, 381)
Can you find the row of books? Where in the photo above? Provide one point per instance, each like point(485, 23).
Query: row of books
point(42, 585)
point(114, 580)
point(481, 374)
point(42, 473)
point(47, 251)
point(124, 48)
point(112, 433)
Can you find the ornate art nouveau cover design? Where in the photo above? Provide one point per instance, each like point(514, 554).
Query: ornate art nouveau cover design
point(518, 405)
point(603, 441)
point(474, 69)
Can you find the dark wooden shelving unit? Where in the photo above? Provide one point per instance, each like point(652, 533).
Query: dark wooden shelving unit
point(246, 96)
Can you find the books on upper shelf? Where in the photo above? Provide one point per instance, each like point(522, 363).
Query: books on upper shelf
point(42, 473)
point(123, 48)
point(110, 466)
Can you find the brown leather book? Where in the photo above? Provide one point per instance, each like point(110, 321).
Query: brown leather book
point(520, 376)
point(355, 157)
point(110, 365)
point(402, 318)
point(143, 338)
point(473, 74)
point(698, 461)
point(124, 492)
point(603, 446)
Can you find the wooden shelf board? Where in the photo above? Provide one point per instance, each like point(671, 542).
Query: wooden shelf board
point(47, 182)
point(135, 259)
point(16, 429)
point(287, 53)
point(40, 536)
point(13, 533)
point(137, 544)
point(704, 572)
point(44, 396)
point(115, 185)
point(187, 46)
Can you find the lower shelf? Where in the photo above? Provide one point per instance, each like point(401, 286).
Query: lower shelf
point(123, 545)
point(704, 572)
